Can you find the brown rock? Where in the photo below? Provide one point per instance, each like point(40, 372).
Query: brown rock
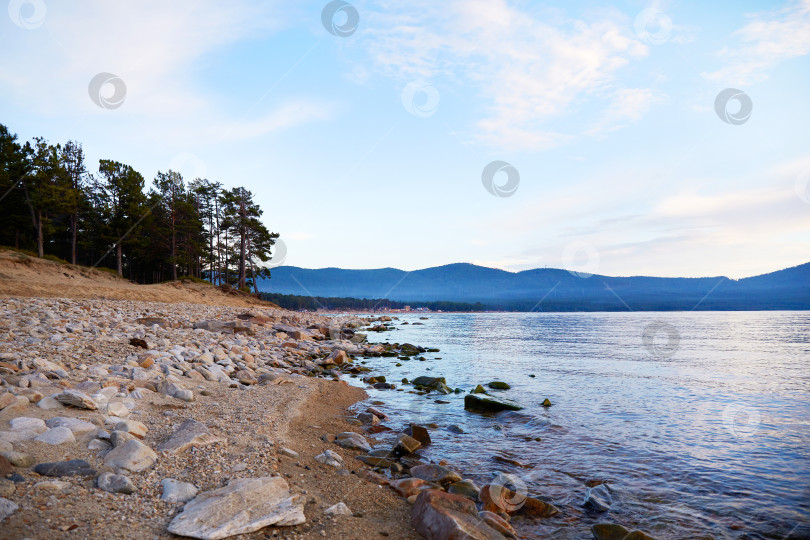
point(498, 523)
point(7, 399)
point(419, 433)
point(411, 486)
point(147, 362)
point(136, 342)
point(441, 516)
point(535, 509)
point(373, 477)
point(435, 473)
point(5, 467)
point(406, 445)
point(190, 433)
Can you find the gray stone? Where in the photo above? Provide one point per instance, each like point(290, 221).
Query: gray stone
point(73, 467)
point(175, 491)
point(7, 508)
point(77, 399)
point(435, 473)
point(115, 483)
point(117, 408)
point(184, 395)
point(190, 433)
point(24, 423)
point(100, 445)
point(339, 509)
point(131, 456)
point(483, 402)
point(352, 441)
point(49, 403)
point(287, 452)
point(598, 499)
point(132, 427)
point(57, 435)
point(328, 457)
point(78, 427)
point(243, 506)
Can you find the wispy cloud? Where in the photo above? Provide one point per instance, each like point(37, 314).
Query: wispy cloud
point(529, 70)
point(771, 38)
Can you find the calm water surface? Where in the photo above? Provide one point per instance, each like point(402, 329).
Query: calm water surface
point(700, 429)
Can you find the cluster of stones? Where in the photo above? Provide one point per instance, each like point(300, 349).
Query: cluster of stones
point(72, 373)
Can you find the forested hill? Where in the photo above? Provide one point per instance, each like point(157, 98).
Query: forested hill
point(56, 205)
point(548, 289)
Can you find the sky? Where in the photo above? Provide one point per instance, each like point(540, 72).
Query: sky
point(632, 138)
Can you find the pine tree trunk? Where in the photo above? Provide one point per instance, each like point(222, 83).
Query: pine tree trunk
point(40, 237)
point(119, 259)
point(74, 225)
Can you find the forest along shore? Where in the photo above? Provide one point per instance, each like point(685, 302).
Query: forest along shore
point(127, 419)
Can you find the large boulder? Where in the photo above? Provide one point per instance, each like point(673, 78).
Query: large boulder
point(133, 456)
point(243, 506)
point(486, 403)
point(435, 473)
point(189, 433)
point(437, 515)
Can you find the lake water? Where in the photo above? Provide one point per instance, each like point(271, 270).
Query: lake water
point(698, 422)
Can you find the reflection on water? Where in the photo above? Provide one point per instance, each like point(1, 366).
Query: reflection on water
point(699, 422)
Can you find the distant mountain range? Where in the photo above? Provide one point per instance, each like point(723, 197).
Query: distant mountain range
point(549, 289)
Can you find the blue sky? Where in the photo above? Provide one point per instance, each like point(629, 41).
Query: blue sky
point(367, 150)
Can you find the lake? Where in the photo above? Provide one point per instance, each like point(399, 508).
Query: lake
point(697, 421)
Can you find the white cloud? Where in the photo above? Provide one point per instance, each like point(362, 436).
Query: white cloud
point(770, 38)
point(527, 70)
point(628, 105)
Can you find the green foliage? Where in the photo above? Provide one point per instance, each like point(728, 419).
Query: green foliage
point(52, 207)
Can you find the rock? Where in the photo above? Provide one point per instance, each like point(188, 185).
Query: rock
point(499, 385)
point(455, 429)
point(598, 499)
point(339, 509)
point(117, 438)
point(133, 427)
point(407, 487)
point(99, 445)
point(287, 452)
point(190, 433)
point(137, 342)
point(115, 483)
point(7, 508)
point(406, 445)
point(57, 435)
point(117, 408)
point(23, 423)
point(353, 441)
point(368, 419)
point(465, 488)
point(184, 395)
point(244, 505)
point(328, 457)
point(6, 446)
point(379, 462)
point(74, 398)
point(534, 508)
point(338, 357)
point(73, 467)
point(19, 459)
point(378, 413)
point(78, 427)
point(177, 492)
point(131, 456)
point(441, 516)
point(478, 390)
point(49, 403)
point(429, 382)
point(498, 523)
point(149, 321)
point(483, 402)
point(6, 399)
point(420, 433)
point(546, 402)
point(435, 473)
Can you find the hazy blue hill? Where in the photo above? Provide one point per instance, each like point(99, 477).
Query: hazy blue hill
point(549, 288)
